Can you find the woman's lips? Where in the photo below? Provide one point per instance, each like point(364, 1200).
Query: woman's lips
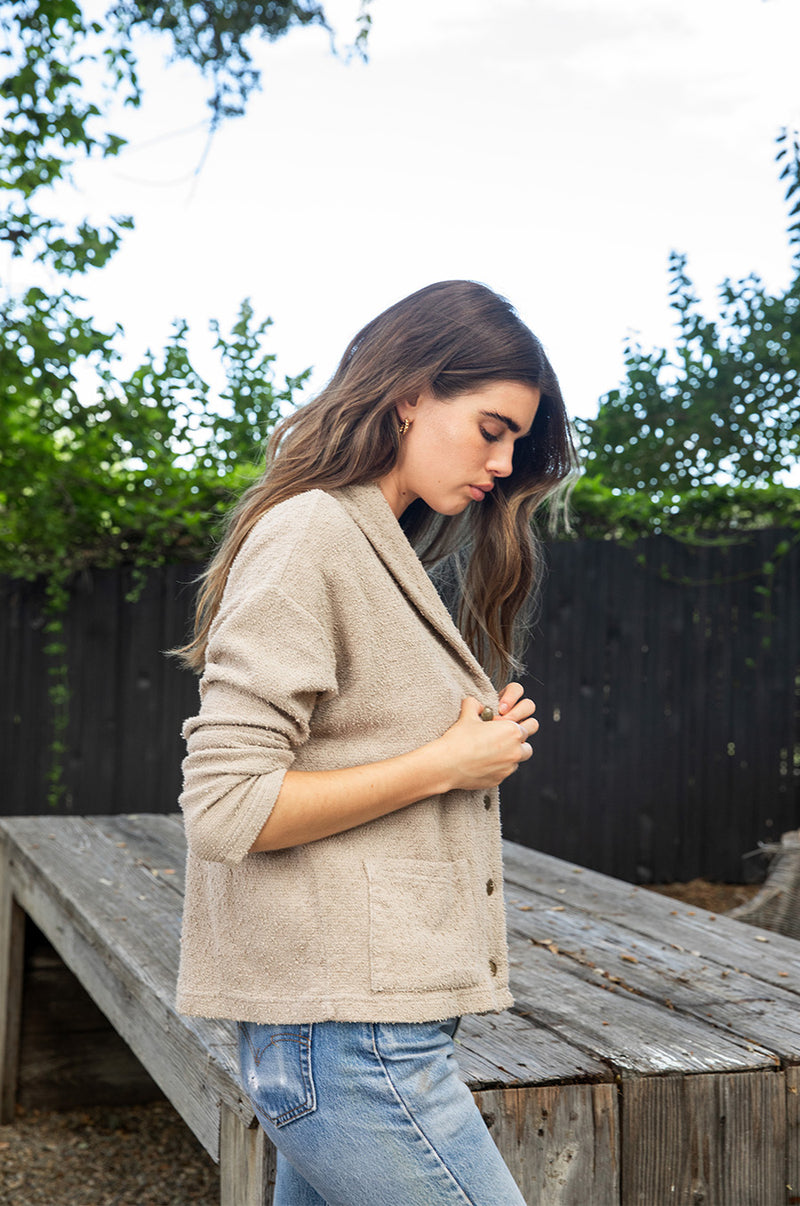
point(479, 492)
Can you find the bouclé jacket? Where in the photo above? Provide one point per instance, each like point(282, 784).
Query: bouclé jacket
point(332, 648)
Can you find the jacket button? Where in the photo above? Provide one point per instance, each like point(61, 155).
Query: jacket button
point(489, 887)
point(487, 801)
point(487, 713)
point(493, 967)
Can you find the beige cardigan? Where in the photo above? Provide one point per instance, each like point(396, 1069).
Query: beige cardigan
point(332, 648)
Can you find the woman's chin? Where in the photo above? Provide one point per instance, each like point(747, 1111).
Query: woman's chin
point(450, 507)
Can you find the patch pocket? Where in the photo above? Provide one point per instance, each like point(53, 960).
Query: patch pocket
point(423, 925)
point(276, 1070)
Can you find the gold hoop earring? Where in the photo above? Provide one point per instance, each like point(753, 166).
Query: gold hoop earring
point(404, 426)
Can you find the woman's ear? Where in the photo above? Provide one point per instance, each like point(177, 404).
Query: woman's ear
point(407, 408)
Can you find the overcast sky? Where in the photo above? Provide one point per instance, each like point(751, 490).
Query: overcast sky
point(554, 149)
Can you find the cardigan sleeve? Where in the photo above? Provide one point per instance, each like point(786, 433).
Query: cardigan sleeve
point(268, 661)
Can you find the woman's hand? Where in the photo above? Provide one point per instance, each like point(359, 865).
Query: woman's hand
point(473, 754)
point(480, 754)
point(514, 705)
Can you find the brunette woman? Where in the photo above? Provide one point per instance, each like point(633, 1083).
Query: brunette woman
point(344, 887)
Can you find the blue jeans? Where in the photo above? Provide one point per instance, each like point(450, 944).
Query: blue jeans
point(371, 1114)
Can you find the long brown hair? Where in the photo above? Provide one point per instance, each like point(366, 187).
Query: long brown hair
point(448, 338)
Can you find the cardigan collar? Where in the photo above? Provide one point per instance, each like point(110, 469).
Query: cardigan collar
point(367, 507)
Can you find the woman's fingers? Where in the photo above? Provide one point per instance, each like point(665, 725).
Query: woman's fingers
point(522, 714)
point(526, 730)
point(529, 726)
point(522, 710)
point(509, 697)
point(514, 704)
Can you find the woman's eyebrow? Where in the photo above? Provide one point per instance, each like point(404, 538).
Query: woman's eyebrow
point(510, 423)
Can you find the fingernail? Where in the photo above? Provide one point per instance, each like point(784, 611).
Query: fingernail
point(503, 708)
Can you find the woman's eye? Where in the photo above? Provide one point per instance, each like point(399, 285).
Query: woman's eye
point(487, 435)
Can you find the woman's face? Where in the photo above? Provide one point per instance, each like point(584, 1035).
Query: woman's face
point(456, 447)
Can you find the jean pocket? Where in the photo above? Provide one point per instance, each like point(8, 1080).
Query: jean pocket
point(276, 1070)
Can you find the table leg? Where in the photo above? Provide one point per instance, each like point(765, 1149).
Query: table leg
point(246, 1163)
point(12, 958)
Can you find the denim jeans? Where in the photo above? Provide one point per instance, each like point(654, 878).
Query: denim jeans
point(371, 1114)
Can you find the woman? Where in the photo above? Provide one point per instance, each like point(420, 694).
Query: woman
point(344, 882)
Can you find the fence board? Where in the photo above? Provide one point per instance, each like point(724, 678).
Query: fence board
point(674, 754)
point(669, 707)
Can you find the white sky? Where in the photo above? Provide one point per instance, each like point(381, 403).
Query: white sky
point(554, 149)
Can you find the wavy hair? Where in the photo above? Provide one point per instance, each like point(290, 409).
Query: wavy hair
point(448, 338)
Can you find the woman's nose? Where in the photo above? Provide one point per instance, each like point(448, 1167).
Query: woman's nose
point(501, 461)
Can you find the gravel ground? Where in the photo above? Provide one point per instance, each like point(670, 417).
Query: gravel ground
point(146, 1155)
point(141, 1156)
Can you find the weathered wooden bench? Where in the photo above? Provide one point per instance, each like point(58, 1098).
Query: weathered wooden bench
point(652, 1056)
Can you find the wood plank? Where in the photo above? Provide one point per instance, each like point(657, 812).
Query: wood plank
point(792, 1078)
point(689, 698)
point(625, 961)
point(155, 841)
point(663, 756)
point(716, 1139)
point(140, 673)
point(180, 693)
point(724, 941)
point(504, 1049)
point(635, 1036)
point(12, 940)
point(772, 727)
point(29, 733)
point(751, 722)
point(629, 710)
point(561, 1143)
point(105, 883)
point(247, 1163)
point(93, 658)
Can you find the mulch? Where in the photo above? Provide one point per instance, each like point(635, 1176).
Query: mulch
point(146, 1155)
point(717, 898)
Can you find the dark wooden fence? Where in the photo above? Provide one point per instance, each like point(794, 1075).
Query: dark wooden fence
point(667, 684)
point(668, 687)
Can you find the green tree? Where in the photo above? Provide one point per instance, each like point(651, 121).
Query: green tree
point(723, 405)
point(215, 35)
point(94, 467)
point(142, 471)
point(60, 71)
point(97, 469)
point(73, 457)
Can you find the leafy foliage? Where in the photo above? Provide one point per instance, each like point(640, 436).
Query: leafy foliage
point(214, 35)
point(97, 469)
point(48, 121)
point(144, 470)
point(703, 515)
point(61, 69)
point(724, 404)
